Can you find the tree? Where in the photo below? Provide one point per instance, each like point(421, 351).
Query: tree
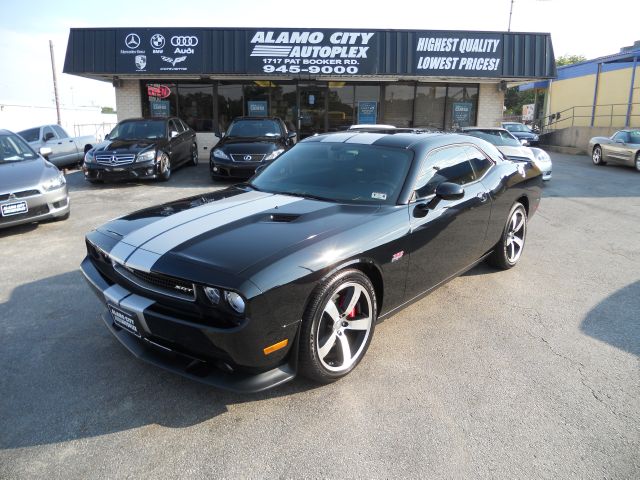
point(108, 110)
point(515, 99)
point(567, 59)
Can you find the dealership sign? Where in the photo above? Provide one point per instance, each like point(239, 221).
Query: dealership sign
point(312, 52)
point(159, 51)
point(461, 54)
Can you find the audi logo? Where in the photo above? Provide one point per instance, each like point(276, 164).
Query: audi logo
point(184, 41)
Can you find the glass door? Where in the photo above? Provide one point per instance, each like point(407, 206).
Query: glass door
point(313, 111)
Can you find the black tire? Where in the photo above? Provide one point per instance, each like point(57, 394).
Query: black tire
point(356, 327)
point(505, 254)
point(95, 182)
point(596, 156)
point(164, 168)
point(637, 162)
point(193, 162)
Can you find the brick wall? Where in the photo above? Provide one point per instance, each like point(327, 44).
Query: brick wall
point(128, 100)
point(490, 103)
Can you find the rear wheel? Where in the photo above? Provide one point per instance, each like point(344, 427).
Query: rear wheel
point(194, 155)
point(596, 156)
point(164, 167)
point(638, 162)
point(337, 326)
point(508, 250)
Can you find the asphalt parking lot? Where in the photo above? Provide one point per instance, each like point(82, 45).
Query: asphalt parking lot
point(529, 373)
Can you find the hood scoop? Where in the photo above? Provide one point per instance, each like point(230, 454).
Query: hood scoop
point(281, 217)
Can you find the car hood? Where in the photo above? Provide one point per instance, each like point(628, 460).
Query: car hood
point(234, 232)
point(16, 176)
point(245, 145)
point(525, 135)
point(522, 152)
point(125, 146)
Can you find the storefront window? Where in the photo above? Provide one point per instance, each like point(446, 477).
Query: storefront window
point(429, 107)
point(341, 97)
point(461, 107)
point(398, 104)
point(160, 99)
point(196, 106)
point(229, 103)
point(284, 103)
point(367, 103)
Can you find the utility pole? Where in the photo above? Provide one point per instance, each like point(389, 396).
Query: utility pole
point(55, 82)
point(510, 13)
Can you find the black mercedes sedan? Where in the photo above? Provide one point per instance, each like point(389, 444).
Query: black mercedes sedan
point(142, 148)
point(247, 144)
point(245, 287)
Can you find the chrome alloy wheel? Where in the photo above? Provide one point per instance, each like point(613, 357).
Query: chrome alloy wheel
point(597, 155)
point(638, 162)
point(344, 327)
point(514, 242)
point(165, 166)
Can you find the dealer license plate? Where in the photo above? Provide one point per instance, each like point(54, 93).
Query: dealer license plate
point(16, 208)
point(124, 320)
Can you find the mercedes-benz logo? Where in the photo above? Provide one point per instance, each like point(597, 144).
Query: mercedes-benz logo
point(132, 41)
point(247, 158)
point(157, 41)
point(114, 160)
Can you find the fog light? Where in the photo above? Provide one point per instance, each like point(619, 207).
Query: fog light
point(213, 294)
point(235, 301)
point(215, 169)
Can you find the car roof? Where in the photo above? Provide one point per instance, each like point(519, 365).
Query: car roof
point(395, 140)
point(471, 129)
point(255, 118)
point(6, 132)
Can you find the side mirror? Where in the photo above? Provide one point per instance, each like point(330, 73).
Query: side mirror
point(449, 191)
point(48, 136)
point(106, 137)
point(524, 142)
point(45, 152)
point(173, 134)
point(292, 135)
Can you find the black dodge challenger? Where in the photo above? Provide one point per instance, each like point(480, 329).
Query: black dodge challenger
point(245, 287)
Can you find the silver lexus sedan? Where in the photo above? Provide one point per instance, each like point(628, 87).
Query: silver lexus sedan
point(31, 188)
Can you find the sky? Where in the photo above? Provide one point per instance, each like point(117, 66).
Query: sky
point(586, 27)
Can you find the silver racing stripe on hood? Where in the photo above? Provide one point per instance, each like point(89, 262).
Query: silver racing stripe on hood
point(148, 253)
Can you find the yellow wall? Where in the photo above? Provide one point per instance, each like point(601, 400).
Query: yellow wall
point(578, 92)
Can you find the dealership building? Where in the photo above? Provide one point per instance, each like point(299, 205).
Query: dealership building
point(316, 80)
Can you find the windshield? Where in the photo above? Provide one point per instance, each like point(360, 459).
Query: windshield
point(338, 172)
point(634, 136)
point(31, 135)
point(139, 130)
point(254, 128)
point(499, 138)
point(14, 149)
point(517, 127)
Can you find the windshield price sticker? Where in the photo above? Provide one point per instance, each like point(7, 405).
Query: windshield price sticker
point(326, 52)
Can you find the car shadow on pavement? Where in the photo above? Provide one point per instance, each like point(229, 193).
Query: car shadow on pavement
point(616, 320)
point(65, 377)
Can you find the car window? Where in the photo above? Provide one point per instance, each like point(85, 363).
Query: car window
point(496, 137)
point(179, 126)
point(31, 135)
point(61, 133)
point(173, 127)
point(479, 162)
point(47, 130)
point(184, 125)
point(624, 136)
point(14, 149)
point(254, 128)
point(138, 130)
point(634, 137)
point(450, 164)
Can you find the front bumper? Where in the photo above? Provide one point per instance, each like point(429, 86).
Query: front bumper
point(230, 169)
point(43, 206)
point(134, 171)
point(196, 351)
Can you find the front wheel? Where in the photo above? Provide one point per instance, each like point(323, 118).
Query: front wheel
point(596, 156)
point(638, 162)
point(508, 250)
point(194, 155)
point(164, 167)
point(337, 326)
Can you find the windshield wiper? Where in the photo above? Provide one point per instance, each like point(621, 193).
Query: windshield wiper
point(307, 195)
point(251, 185)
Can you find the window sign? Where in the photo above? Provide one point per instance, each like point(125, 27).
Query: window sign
point(367, 112)
point(257, 108)
point(462, 113)
point(159, 108)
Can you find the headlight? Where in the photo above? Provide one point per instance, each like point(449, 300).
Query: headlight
point(535, 138)
point(218, 153)
point(54, 182)
point(146, 156)
point(235, 301)
point(89, 157)
point(541, 155)
point(274, 154)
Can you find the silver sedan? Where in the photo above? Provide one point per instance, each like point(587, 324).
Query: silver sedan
point(621, 147)
point(31, 188)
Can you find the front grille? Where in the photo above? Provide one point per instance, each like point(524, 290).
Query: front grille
point(162, 284)
point(247, 157)
point(21, 194)
point(115, 159)
point(33, 212)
